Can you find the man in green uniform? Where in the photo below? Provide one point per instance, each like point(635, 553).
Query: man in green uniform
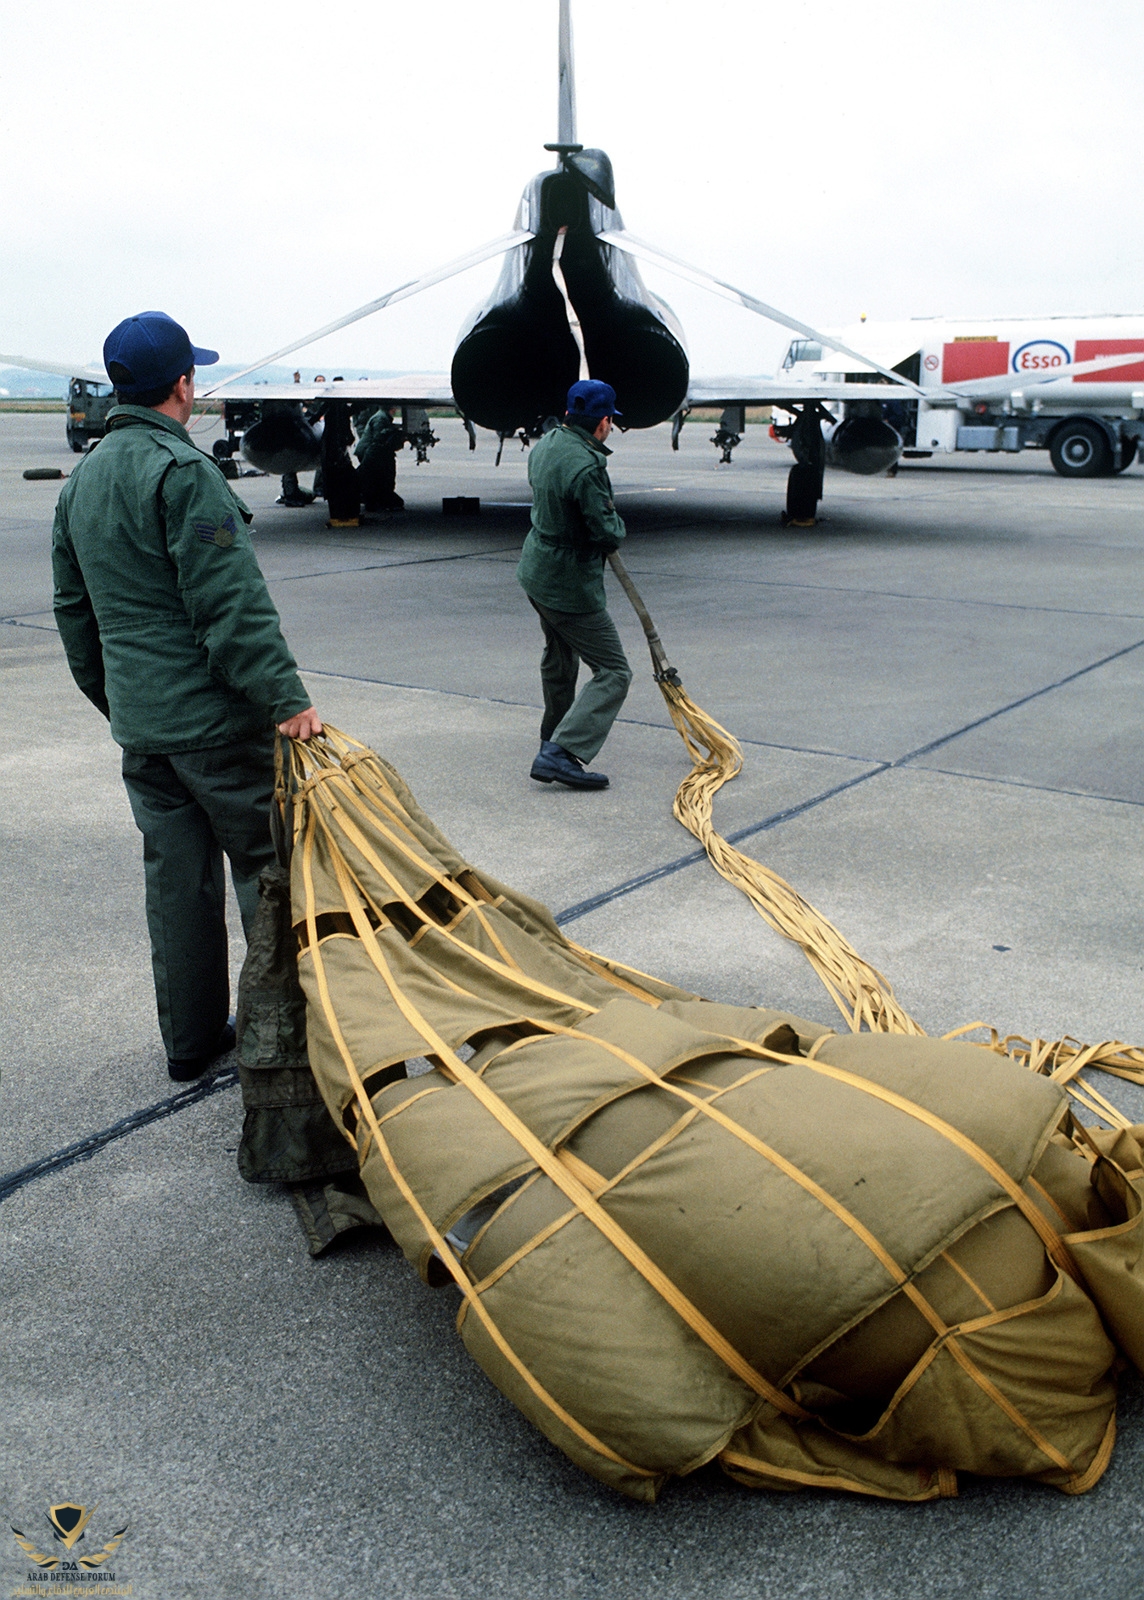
point(170, 631)
point(378, 443)
point(574, 527)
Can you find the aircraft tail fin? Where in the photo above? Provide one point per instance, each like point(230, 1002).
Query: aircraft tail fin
point(566, 111)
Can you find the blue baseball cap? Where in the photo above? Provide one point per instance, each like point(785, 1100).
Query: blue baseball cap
point(591, 398)
point(150, 350)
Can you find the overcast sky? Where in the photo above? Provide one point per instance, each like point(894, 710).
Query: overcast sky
point(258, 169)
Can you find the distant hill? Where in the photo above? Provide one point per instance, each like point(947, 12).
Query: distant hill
point(21, 384)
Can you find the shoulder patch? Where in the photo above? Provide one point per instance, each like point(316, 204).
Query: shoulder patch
point(221, 533)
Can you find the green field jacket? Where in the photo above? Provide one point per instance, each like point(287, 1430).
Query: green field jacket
point(159, 599)
point(574, 522)
point(380, 432)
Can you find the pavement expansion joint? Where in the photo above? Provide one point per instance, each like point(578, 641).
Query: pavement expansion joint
point(83, 1149)
point(420, 688)
point(1014, 705)
point(37, 627)
point(658, 574)
point(384, 566)
point(629, 885)
point(1039, 788)
point(530, 705)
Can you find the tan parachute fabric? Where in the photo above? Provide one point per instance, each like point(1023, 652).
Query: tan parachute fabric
point(685, 1231)
point(860, 992)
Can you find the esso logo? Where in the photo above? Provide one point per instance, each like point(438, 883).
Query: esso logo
point(931, 363)
point(1040, 355)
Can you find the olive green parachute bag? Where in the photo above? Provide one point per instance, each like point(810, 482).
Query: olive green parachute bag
point(288, 1135)
point(685, 1231)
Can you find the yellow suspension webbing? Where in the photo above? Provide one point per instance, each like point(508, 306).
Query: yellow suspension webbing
point(860, 992)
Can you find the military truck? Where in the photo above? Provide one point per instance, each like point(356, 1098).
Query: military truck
point(88, 405)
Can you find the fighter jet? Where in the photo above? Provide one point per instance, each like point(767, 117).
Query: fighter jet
point(569, 303)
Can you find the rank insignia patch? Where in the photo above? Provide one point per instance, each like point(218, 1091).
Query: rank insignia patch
point(221, 533)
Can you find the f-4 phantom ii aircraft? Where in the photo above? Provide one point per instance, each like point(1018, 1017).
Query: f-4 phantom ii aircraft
point(570, 303)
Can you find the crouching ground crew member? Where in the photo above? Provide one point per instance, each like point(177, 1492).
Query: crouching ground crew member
point(377, 449)
point(170, 631)
point(574, 526)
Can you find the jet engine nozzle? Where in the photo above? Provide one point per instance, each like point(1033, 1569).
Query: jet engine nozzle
point(282, 440)
point(517, 356)
point(864, 445)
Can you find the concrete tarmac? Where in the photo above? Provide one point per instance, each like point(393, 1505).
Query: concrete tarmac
point(940, 694)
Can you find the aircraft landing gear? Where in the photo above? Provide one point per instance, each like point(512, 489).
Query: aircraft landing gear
point(804, 490)
point(729, 433)
point(339, 475)
point(804, 483)
point(223, 451)
point(415, 426)
point(525, 441)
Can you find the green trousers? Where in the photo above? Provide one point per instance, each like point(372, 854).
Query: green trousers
point(191, 808)
point(581, 722)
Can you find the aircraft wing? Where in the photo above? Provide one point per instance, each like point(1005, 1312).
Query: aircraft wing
point(80, 369)
point(736, 390)
point(405, 388)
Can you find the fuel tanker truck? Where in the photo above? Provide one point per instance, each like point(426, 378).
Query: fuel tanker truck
point(1025, 383)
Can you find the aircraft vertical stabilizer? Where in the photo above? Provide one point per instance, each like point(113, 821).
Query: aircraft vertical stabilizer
point(566, 109)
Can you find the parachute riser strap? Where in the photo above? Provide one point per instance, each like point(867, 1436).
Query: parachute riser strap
point(860, 992)
point(282, 805)
point(661, 667)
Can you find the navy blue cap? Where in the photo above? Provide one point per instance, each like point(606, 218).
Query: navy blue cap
point(591, 398)
point(152, 349)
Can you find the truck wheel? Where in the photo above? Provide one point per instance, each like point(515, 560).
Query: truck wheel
point(1080, 450)
point(1127, 455)
point(78, 441)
